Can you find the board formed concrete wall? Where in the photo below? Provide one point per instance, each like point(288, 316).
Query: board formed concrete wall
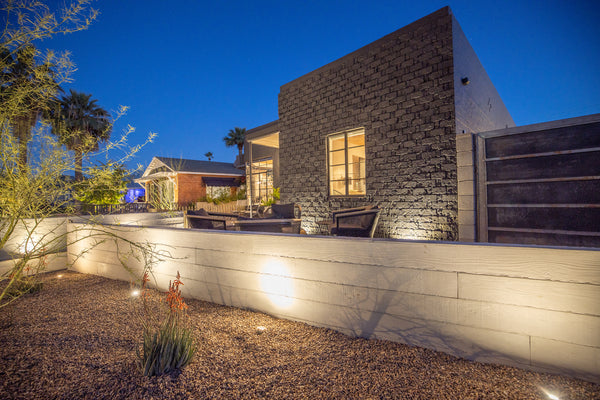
point(532, 307)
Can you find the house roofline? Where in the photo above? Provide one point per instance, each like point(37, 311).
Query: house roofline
point(266, 129)
point(174, 173)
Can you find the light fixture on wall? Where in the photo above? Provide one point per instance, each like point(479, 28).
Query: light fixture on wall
point(465, 81)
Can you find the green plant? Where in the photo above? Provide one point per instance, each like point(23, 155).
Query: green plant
point(26, 282)
point(171, 345)
point(235, 137)
point(81, 125)
point(223, 196)
point(105, 185)
point(272, 198)
point(35, 188)
point(241, 194)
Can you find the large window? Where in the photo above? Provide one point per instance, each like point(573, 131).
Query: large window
point(261, 180)
point(346, 163)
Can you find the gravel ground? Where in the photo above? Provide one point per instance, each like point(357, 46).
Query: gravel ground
point(76, 339)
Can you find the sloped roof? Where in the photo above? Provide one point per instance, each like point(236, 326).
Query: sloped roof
point(198, 166)
point(164, 167)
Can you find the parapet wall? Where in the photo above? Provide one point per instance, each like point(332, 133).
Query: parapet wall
point(533, 307)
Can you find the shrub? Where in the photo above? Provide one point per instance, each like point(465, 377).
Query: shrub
point(223, 196)
point(24, 285)
point(23, 279)
point(171, 345)
point(272, 198)
point(169, 348)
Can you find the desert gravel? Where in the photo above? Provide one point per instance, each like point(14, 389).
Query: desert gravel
point(76, 339)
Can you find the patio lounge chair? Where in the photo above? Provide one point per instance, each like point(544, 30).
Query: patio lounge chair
point(360, 222)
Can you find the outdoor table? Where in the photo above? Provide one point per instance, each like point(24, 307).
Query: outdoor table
point(280, 225)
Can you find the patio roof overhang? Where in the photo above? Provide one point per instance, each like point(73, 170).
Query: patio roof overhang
point(269, 140)
point(264, 135)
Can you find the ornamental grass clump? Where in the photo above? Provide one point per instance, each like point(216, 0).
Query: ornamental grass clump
point(169, 346)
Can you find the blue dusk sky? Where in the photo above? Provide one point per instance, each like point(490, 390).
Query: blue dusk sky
point(192, 70)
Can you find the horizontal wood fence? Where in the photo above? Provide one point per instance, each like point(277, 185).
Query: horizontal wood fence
point(540, 184)
point(532, 307)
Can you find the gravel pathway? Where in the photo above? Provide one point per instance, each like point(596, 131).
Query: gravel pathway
point(76, 339)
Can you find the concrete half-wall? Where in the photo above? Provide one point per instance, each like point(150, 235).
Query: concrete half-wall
point(532, 307)
point(50, 234)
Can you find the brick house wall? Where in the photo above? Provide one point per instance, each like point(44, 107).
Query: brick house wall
point(190, 188)
point(401, 90)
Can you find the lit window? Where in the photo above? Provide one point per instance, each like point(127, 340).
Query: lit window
point(346, 163)
point(261, 179)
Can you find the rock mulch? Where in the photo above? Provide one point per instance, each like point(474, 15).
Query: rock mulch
point(76, 339)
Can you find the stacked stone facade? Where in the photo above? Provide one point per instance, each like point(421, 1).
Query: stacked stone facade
point(400, 89)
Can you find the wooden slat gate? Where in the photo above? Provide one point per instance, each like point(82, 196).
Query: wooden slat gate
point(540, 184)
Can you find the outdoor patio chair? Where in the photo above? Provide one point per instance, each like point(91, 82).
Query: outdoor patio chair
point(347, 210)
point(202, 219)
point(281, 211)
point(361, 223)
point(286, 211)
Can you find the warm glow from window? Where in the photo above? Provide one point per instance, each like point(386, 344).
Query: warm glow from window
point(346, 163)
point(261, 179)
point(277, 284)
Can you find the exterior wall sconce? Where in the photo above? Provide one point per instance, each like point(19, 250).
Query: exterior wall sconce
point(465, 81)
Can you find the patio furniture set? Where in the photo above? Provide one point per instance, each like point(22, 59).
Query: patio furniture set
point(287, 218)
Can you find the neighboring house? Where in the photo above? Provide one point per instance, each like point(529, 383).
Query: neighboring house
point(179, 181)
point(380, 126)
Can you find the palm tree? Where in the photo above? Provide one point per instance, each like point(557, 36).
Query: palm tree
point(235, 137)
point(81, 125)
point(209, 155)
point(27, 90)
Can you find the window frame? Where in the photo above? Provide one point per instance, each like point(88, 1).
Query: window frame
point(347, 180)
point(265, 190)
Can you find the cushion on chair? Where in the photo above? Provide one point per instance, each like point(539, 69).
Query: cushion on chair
point(199, 223)
point(201, 212)
point(366, 221)
point(283, 210)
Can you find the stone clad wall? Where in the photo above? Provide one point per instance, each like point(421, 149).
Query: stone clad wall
point(400, 89)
